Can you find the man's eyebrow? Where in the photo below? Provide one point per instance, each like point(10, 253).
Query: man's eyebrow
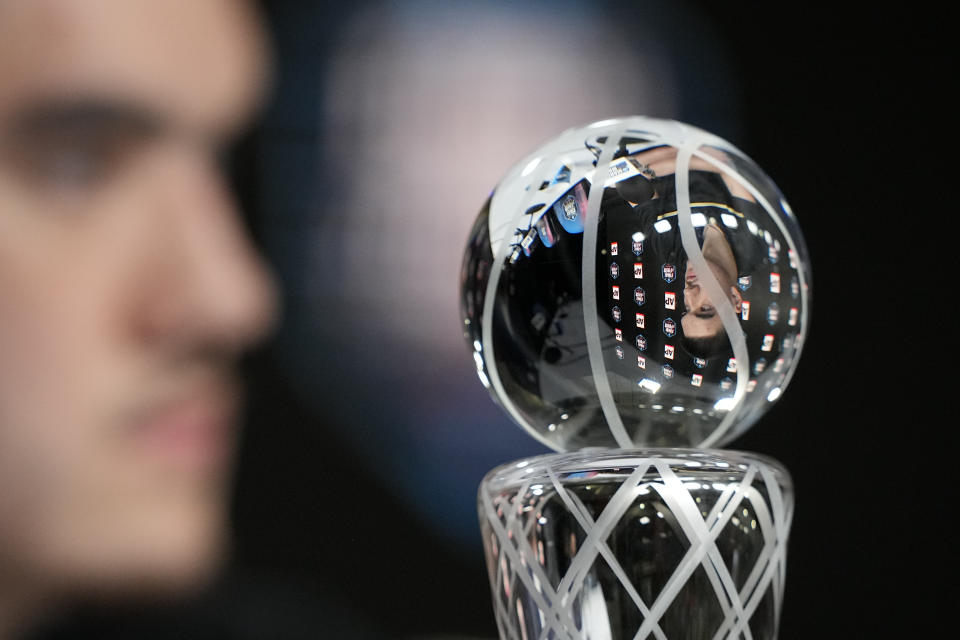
point(83, 116)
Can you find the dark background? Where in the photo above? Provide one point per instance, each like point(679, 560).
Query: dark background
point(838, 109)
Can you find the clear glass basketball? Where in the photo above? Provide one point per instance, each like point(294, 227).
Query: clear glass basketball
point(635, 283)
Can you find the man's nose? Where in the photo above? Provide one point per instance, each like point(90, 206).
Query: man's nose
point(213, 287)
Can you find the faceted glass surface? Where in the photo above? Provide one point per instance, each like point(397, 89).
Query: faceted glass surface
point(667, 308)
point(669, 544)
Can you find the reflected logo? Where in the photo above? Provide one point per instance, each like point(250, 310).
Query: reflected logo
point(774, 283)
point(773, 314)
point(669, 272)
point(767, 343)
point(670, 327)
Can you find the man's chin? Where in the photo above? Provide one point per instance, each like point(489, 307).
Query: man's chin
point(166, 561)
point(182, 573)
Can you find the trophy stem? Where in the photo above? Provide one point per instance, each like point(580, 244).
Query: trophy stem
point(655, 543)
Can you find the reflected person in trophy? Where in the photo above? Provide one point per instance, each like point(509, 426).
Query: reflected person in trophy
point(721, 206)
point(703, 331)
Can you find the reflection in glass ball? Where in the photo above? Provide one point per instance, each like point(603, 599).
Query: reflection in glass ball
point(666, 309)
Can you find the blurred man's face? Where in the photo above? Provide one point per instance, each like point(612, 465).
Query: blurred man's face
point(127, 287)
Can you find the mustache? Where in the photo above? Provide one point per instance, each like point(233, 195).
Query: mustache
point(213, 373)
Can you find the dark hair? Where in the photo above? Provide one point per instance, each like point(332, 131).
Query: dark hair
point(706, 347)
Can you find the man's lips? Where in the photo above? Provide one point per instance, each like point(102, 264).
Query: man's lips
point(191, 430)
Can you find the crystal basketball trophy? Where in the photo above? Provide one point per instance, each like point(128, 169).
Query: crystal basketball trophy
point(636, 293)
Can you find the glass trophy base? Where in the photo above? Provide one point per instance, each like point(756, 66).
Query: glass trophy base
point(633, 544)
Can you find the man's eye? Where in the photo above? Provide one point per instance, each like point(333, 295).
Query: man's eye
point(71, 167)
point(76, 144)
point(74, 159)
point(74, 162)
